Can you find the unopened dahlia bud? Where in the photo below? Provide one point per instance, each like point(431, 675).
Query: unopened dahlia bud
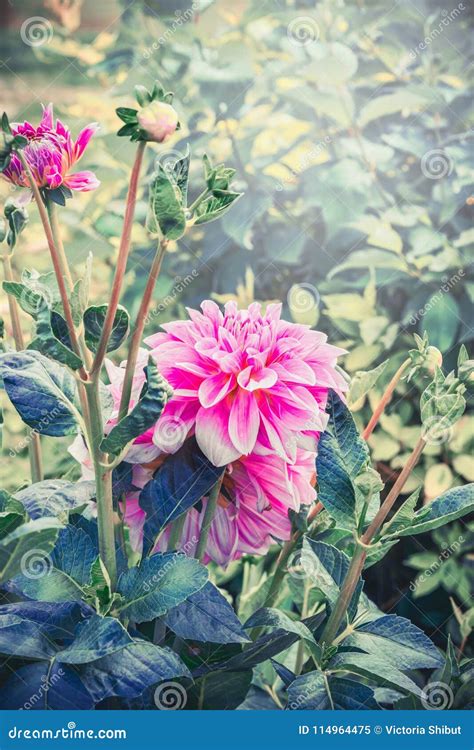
point(433, 359)
point(159, 120)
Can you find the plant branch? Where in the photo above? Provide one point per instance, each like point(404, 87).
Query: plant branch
point(208, 518)
point(386, 398)
point(139, 326)
point(103, 482)
point(121, 266)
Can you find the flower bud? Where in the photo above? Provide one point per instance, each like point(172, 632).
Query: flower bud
point(158, 120)
point(433, 359)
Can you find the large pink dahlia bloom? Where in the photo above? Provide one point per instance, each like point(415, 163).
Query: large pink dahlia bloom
point(245, 381)
point(253, 389)
point(51, 153)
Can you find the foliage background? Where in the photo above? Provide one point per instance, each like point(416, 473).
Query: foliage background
point(351, 129)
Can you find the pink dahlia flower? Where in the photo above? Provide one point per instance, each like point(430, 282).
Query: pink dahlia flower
point(245, 382)
point(51, 153)
point(253, 389)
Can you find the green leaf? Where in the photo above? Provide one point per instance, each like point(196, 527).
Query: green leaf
point(390, 104)
point(215, 206)
point(143, 415)
point(55, 498)
point(342, 454)
point(403, 517)
point(363, 382)
point(273, 618)
point(326, 567)
point(402, 644)
point(180, 174)
point(47, 343)
point(318, 692)
point(26, 546)
point(12, 513)
point(159, 583)
point(219, 691)
point(41, 391)
point(94, 318)
point(95, 638)
point(375, 668)
point(453, 504)
point(166, 209)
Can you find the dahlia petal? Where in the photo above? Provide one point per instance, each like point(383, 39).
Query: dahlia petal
point(47, 118)
point(214, 389)
point(82, 181)
point(212, 436)
point(83, 139)
point(244, 421)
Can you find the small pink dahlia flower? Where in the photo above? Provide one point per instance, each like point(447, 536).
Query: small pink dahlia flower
point(51, 153)
point(245, 382)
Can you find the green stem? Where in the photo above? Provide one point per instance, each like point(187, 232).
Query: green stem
point(208, 518)
point(103, 482)
point(139, 327)
point(198, 200)
point(386, 398)
point(176, 532)
point(53, 220)
point(121, 265)
point(304, 612)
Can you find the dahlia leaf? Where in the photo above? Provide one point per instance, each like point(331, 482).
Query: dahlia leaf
point(180, 174)
point(273, 618)
point(183, 479)
point(22, 638)
point(62, 575)
point(402, 644)
point(95, 638)
point(144, 415)
point(220, 691)
point(94, 318)
point(31, 540)
point(316, 691)
point(131, 670)
point(326, 566)
point(375, 668)
point(215, 206)
point(206, 616)
point(342, 454)
point(362, 382)
point(452, 504)
point(48, 343)
point(41, 391)
point(25, 688)
point(56, 498)
point(158, 584)
point(166, 211)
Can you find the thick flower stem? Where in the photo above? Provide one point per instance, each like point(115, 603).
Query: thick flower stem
point(103, 482)
point(34, 446)
point(360, 553)
point(386, 398)
point(208, 518)
point(176, 533)
point(121, 267)
point(53, 220)
point(55, 257)
point(139, 326)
